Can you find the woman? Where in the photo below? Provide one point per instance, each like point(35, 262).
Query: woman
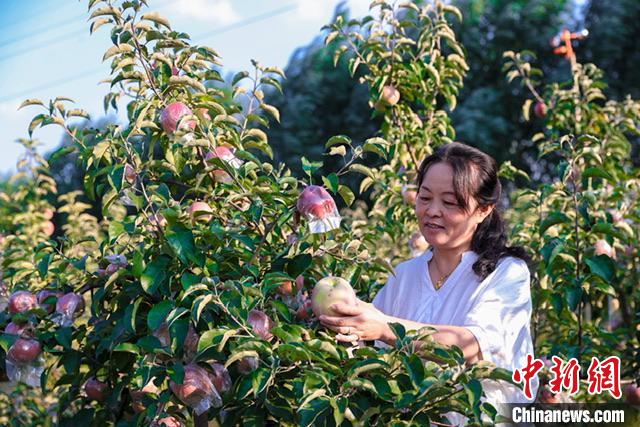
point(470, 287)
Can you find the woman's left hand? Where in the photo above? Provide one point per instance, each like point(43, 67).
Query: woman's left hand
point(360, 322)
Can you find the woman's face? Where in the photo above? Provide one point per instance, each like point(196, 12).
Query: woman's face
point(443, 222)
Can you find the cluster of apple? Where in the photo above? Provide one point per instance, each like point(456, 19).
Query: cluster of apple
point(24, 361)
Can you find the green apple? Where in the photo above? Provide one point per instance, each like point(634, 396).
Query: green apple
point(331, 290)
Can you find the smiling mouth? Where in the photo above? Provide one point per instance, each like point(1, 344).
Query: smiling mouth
point(433, 226)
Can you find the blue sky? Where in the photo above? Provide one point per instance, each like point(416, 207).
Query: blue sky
point(46, 50)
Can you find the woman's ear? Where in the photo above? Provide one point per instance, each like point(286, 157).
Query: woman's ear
point(483, 212)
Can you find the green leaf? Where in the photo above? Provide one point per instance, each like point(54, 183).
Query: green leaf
point(526, 108)
point(155, 274)
point(474, 391)
point(331, 182)
point(260, 379)
point(272, 111)
point(363, 170)
point(594, 172)
point(573, 294)
point(609, 230)
point(239, 76)
point(181, 241)
point(127, 347)
point(310, 167)
point(366, 366)
point(157, 18)
point(338, 139)
point(602, 266)
point(553, 219)
point(158, 314)
point(347, 194)
point(338, 151)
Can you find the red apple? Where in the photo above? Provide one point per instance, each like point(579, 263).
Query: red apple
point(616, 215)
point(117, 259)
point(96, 390)
point(196, 386)
point(632, 394)
point(158, 220)
point(409, 195)
point(261, 324)
point(304, 311)
point(138, 395)
point(70, 304)
point(48, 228)
point(200, 211)
point(417, 243)
point(390, 95)
point(130, 174)
point(222, 176)
point(331, 290)
point(171, 115)
point(203, 114)
point(167, 422)
point(292, 238)
point(47, 213)
point(220, 378)
point(14, 329)
point(316, 201)
point(111, 269)
point(221, 152)
point(24, 351)
point(602, 247)
point(546, 396)
point(248, 364)
point(540, 109)
point(190, 342)
point(291, 287)
point(21, 301)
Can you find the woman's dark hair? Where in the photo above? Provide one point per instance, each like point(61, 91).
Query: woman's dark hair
point(475, 175)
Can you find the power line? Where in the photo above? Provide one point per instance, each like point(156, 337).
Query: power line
point(39, 31)
point(86, 73)
point(59, 39)
point(54, 83)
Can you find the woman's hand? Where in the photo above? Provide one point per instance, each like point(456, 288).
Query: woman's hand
point(360, 322)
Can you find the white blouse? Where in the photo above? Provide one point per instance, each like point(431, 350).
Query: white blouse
point(496, 310)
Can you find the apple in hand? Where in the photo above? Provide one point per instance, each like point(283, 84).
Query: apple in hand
point(331, 290)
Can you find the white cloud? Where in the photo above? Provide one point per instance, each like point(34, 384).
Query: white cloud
point(212, 11)
point(9, 108)
point(322, 10)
